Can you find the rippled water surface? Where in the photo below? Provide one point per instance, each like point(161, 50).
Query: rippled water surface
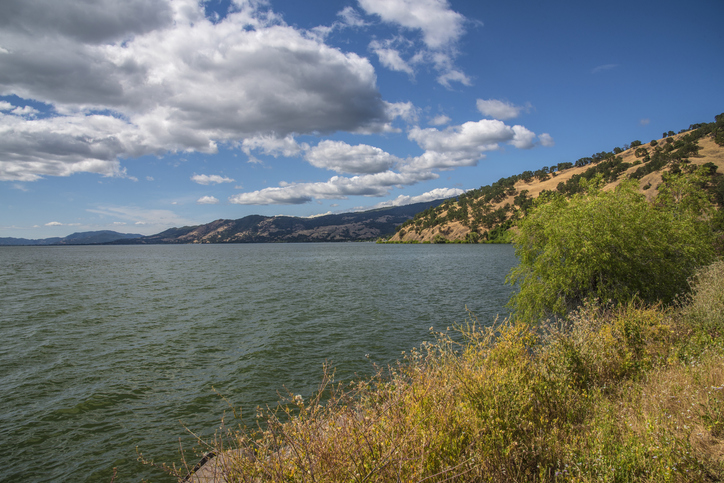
point(105, 349)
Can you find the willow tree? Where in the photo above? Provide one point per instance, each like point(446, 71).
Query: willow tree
point(611, 245)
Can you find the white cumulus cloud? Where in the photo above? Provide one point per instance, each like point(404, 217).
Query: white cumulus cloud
point(499, 109)
point(441, 29)
point(439, 25)
point(440, 120)
point(206, 179)
point(391, 58)
point(272, 145)
point(436, 194)
point(343, 158)
point(338, 187)
point(464, 145)
point(207, 200)
point(523, 138)
point(546, 140)
point(167, 79)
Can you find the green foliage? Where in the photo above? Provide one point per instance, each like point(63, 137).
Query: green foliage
point(718, 131)
point(640, 152)
point(635, 143)
point(610, 245)
point(439, 239)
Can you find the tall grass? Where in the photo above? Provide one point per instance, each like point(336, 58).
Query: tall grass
point(620, 394)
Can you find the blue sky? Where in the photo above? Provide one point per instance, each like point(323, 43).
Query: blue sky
point(141, 115)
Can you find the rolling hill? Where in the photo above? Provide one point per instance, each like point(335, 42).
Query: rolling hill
point(357, 226)
point(486, 214)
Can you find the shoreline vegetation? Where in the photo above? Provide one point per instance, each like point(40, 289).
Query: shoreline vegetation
point(610, 368)
point(627, 393)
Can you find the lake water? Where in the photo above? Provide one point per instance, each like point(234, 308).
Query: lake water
point(105, 349)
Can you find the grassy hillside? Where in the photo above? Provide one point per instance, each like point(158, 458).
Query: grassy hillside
point(487, 213)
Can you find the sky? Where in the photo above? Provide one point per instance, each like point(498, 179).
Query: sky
point(141, 115)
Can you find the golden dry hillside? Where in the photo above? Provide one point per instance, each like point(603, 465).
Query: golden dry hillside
point(487, 213)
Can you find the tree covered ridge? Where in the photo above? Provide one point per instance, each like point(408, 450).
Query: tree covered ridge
point(486, 214)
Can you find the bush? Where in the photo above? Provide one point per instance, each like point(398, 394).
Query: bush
point(705, 307)
point(611, 245)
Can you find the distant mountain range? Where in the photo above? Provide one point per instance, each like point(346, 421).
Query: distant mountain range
point(84, 238)
point(360, 226)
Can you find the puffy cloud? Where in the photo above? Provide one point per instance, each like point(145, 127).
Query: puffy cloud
point(343, 158)
point(464, 145)
point(546, 140)
point(436, 194)
point(169, 80)
point(477, 136)
point(54, 223)
point(351, 18)
point(273, 145)
point(337, 187)
point(206, 179)
point(61, 146)
point(450, 75)
point(499, 109)
point(404, 110)
point(207, 200)
point(391, 58)
point(6, 106)
point(440, 120)
point(92, 22)
point(25, 111)
point(440, 26)
point(523, 138)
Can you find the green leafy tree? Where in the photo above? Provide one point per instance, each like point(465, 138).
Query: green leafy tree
point(611, 245)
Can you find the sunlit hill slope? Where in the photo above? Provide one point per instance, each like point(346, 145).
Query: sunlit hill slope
point(486, 214)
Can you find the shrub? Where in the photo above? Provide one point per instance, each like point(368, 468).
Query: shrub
point(705, 307)
point(610, 245)
point(439, 238)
